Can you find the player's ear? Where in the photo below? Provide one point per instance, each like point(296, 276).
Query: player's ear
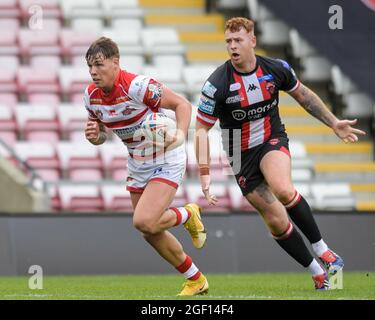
point(254, 41)
point(116, 61)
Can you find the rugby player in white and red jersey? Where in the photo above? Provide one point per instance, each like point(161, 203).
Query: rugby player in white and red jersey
point(243, 94)
point(120, 100)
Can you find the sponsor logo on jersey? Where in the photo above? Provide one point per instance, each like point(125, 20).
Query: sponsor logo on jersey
point(252, 87)
point(154, 92)
point(234, 99)
point(209, 89)
point(206, 105)
point(126, 132)
point(254, 113)
point(239, 114)
point(274, 141)
point(267, 77)
point(122, 99)
point(235, 86)
point(94, 101)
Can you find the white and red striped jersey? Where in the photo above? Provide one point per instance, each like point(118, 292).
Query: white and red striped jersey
point(132, 98)
point(246, 102)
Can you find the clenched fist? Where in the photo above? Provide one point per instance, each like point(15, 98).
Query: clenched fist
point(92, 131)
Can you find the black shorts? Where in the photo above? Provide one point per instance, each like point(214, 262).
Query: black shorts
point(249, 175)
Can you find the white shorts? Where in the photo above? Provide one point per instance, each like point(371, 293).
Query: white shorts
point(170, 170)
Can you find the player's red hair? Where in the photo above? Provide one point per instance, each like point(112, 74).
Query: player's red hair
point(238, 23)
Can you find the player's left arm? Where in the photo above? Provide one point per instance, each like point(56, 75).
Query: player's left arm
point(182, 108)
point(311, 102)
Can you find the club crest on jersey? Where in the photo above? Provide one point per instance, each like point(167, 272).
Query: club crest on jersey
point(270, 87)
point(235, 86)
point(128, 111)
point(239, 114)
point(242, 182)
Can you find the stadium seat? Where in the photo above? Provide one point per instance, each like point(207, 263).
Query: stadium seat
point(124, 24)
point(171, 77)
point(116, 198)
point(315, 69)
point(37, 80)
point(115, 157)
point(180, 198)
point(51, 137)
point(72, 118)
point(9, 137)
point(39, 42)
point(74, 80)
point(8, 37)
point(49, 99)
point(85, 175)
point(87, 24)
point(8, 81)
point(358, 105)
point(259, 12)
point(81, 198)
point(274, 33)
point(46, 61)
point(161, 40)
point(49, 175)
point(128, 41)
point(119, 175)
point(7, 119)
point(39, 155)
point(9, 9)
point(195, 75)
point(50, 8)
point(121, 9)
point(79, 156)
point(8, 99)
point(81, 9)
point(333, 196)
point(76, 42)
point(133, 64)
point(36, 118)
point(175, 60)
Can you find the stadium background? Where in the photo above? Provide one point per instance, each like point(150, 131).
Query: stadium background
point(62, 200)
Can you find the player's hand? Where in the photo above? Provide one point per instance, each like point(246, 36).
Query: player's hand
point(205, 184)
point(345, 131)
point(92, 130)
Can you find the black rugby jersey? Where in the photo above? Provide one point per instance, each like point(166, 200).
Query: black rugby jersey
point(246, 101)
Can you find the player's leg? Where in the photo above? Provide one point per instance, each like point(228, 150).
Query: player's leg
point(276, 168)
point(283, 231)
point(152, 218)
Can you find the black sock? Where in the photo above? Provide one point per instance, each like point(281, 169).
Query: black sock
point(300, 212)
point(292, 242)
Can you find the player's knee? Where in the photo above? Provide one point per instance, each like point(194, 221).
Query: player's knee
point(284, 195)
point(276, 222)
point(144, 225)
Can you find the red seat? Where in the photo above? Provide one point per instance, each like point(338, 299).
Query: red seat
point(8, 82)
point(115, 159)
point(49, 175)
point(39, 155)
point(81, 198)
point(7, 119)
point(8, 99)
point(37, 80)
point(36, 118)
point(9, 9)
point(72, 118)
point(51, 137)
point(116, 198)
point(93, 175)
point(49, 99)
point(39, 42)
point(75, 42)
point(119, 174)
point(9, 137)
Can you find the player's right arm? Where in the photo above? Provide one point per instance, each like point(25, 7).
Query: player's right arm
point(202, 153)
point(95, 132)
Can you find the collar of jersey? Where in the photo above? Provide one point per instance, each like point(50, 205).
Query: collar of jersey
point(246, 73)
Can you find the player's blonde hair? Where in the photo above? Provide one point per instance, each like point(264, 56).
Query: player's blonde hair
point(237, 23)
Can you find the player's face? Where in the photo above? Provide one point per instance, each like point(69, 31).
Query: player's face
point(240, 46)
point(103, 71)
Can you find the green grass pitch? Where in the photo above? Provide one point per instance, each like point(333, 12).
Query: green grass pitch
point(255, 286)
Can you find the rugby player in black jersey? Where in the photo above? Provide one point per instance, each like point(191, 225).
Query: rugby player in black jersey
point(243, 94)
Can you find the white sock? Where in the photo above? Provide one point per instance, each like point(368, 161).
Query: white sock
point(315, 268)
point(319, 247)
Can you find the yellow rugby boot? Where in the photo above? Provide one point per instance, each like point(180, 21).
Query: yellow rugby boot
point(195, 226)
point(194, 287)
